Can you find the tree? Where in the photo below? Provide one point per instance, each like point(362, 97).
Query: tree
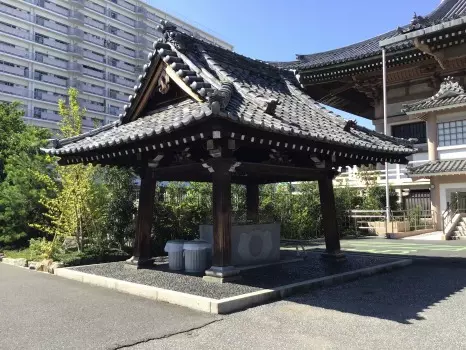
point(11, 124)
point(20, 188)
point(69, 212)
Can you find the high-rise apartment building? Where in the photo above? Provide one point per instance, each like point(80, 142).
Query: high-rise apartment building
point(98, 46)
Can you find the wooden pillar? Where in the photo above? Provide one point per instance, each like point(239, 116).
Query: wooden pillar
point(252, 202)
point(329, 219)
point(221, 270)
point(142, 243)
point(221, 205)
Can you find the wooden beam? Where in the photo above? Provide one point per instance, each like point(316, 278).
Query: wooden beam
point(252, 202)
point(142, 243)
point(296, 173)
point(329, 219)
point(172, 74)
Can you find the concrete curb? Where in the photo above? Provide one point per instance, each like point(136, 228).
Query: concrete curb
point(226, 305)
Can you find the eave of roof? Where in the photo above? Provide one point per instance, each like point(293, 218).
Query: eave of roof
point(438, 168)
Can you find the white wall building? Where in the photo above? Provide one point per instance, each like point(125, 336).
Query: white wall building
point(98, 46)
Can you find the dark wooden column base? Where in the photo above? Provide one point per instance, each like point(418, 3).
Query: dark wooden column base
point(333, 256)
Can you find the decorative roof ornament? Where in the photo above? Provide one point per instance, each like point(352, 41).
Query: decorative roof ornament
point(172, 35)
point(450, 87)
point(163, 83)
point(219, 99)
point(417, 22)
point(350, 123)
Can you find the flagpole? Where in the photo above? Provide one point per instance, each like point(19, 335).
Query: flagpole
point(385, 130)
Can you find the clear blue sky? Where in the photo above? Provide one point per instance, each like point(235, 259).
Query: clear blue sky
point(277, 30)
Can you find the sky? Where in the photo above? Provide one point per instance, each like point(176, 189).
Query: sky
point(275, 30)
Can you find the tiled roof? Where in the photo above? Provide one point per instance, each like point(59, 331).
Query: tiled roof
point(451, 94)
point(439, 167)
point(236, 88)
point(447, 10)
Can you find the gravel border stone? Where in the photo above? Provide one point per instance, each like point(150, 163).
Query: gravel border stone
point(253, 280)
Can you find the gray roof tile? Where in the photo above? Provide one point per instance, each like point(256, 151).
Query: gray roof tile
point(256, 94)
point(439, 167)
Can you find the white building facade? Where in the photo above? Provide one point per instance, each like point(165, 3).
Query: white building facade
point(98, 47)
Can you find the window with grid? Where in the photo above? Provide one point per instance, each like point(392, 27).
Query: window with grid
point(452, 133)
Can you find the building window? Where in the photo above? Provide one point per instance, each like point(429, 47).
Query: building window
point(411, 130)
point(452, 133)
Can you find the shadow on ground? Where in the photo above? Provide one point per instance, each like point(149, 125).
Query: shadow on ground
point(401, 295)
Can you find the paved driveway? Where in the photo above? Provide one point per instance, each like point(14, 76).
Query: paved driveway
point(419, 307)
point(40, 311)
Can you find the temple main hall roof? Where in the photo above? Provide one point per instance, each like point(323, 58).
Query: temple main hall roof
point(225, 85)
point(447, 10)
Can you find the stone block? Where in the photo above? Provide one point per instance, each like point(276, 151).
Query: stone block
point(187, 300)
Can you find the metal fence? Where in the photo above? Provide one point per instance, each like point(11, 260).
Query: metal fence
point(372, 222)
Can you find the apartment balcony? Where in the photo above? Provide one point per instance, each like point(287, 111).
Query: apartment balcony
point(140, 26)
point(76, 17)
point(94, 39)
point(121, 81)
point(94, 56)
point(397, 177)
point(51, 61)
point(15, 12)
point(97, 90)
point(114, 110)
point(93, 73)
point(95, 7)
point(141, 11)
point(44, 96)
point(93, 23)
point(77, 3)
point(16, 51)
point(52, 43)
point(125, 35)
point(92, 107)
point(52, 7)
point(21, 71)
point(125, 66)
point(47, 116)
point(123, 19)
point(76, 33)
point(14, 90)
point(53, 80)
point(21, 33)
point(125, 51)
point(75, 50)
point(117, 96)
point(75, 67)
point(143, 42)
point(152, 17)
point(51, 24)
point(124, 4)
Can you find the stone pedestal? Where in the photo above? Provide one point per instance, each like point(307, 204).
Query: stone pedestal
point(222, 274)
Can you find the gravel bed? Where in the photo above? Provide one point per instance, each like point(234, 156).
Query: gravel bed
point(253, 280)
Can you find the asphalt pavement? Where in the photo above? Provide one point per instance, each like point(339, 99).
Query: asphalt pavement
point(41, 311)
point(420, 306)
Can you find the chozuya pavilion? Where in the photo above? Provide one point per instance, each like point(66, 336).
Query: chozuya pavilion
point(203, 113)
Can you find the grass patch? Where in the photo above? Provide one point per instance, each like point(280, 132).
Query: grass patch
point(22, 253)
